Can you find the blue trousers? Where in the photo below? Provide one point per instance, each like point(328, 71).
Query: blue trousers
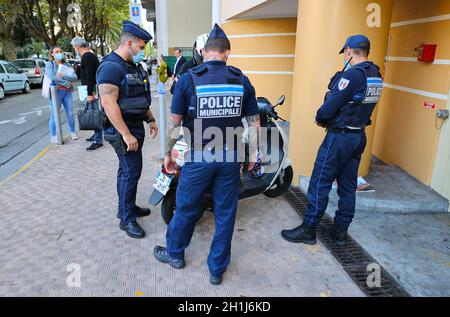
point(64, 98)
point(128, 175)
point(98, 136)
point(338, 159)
point(195, 177)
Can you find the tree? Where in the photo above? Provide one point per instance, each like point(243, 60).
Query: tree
point(35, 47)
point(47, 19)
point(102, 22)
point(9, 11)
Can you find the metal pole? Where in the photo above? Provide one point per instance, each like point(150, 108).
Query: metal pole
point(55, 109)
point(162, 118)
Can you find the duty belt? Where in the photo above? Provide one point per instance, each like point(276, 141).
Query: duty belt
point(346, 130)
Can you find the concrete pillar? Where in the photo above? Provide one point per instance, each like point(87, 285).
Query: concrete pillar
point(162, 28)
point(216, 12)
point(322, 29)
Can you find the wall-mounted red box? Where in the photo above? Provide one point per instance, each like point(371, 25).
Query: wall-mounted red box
point(426, 53)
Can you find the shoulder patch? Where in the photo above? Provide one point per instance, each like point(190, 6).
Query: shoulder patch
point(199, 69)
point(343, 83)
point(235, 70)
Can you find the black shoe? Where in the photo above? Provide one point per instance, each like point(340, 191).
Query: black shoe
point(94, 146)
point(303, 234)
point(140, 212)
point(91, 139)
point(133, 229)
point(214, 280)
point(163, 256)
point(339, 234)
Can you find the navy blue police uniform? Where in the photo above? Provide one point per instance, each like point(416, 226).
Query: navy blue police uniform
point(134, 101)
point(219, 96)
point(346, 111)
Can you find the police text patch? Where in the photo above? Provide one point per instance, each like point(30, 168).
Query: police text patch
point(374, 89)
point(219, 101)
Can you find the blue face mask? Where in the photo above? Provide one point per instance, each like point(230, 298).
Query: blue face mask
point(347, 66)
point(59, 56)
point(139, 56)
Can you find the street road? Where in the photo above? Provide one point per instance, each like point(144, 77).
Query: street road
point(24, 122)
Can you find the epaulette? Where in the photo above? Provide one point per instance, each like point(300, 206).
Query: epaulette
point(199, 69)
point(235, 70)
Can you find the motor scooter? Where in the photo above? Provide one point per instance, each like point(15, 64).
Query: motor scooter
point(271, 176)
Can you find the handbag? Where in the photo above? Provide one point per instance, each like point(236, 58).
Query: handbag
point(91, 117)
point(46, 87)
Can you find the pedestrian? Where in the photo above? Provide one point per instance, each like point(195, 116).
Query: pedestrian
point(348, 106)
point(89, 66)
point(199, 89)
point(180, 61)
point(197, 59)
point(162, 75)
point(64, 87)
point(125, 96)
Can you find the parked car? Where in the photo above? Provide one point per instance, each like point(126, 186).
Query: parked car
point(34, 68)
point(76, 65)
point(12, 79)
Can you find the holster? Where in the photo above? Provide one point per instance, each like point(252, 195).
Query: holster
point(115, 139)
point(116, 142)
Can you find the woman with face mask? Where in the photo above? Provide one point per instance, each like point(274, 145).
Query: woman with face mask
point(64, 87)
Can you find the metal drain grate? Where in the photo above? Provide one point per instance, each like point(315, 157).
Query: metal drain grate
point(353, 258)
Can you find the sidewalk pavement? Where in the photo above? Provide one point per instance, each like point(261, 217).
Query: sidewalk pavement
point(62, 209)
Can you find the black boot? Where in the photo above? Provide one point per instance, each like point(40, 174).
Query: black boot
point(302, 233)
point(140, 212)
point(339, 234)
point(133, 229)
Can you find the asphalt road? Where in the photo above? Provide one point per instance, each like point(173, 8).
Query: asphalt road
point(24, 130)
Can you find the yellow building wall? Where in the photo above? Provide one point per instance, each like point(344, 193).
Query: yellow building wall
point(407, 133)
point(323, 27)
point(246, 42)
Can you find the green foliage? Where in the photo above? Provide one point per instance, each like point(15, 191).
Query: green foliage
point(31, 23)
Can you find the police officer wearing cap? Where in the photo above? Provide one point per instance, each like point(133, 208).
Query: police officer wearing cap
point(212, 95)
point(125, 95)
point(346, 111)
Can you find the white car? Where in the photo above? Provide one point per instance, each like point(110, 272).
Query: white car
point(12, 79)
point(34, 68)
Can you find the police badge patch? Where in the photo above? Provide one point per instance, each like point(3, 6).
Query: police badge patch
point(219, 101)
point(343, 83)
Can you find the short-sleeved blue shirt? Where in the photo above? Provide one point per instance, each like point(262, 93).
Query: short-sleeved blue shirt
point(184, 90)
point(112, 73)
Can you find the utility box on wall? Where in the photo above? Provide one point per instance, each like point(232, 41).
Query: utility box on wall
point(426, 53)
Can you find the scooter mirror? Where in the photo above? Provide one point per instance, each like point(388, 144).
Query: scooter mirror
point(281, 100)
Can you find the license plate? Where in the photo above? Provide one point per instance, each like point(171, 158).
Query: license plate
point(162, 183)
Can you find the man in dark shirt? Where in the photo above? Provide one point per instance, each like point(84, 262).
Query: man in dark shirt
point(89, 66)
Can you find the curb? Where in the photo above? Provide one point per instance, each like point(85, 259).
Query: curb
point(26, 166)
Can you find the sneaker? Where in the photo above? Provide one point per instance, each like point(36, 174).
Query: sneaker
point(215, 280)
point(74, 136)
point(365, 188)
point(54, 139)
point(163, 256)
point(94, 146)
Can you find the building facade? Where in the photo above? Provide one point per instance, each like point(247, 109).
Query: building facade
point(291, 47)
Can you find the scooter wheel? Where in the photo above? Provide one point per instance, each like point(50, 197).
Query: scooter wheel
point(168, 206)
point(278, 189)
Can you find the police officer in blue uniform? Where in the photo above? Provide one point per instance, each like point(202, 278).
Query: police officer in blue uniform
point(125, 95)
point(212, 95)
point(346, 111)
